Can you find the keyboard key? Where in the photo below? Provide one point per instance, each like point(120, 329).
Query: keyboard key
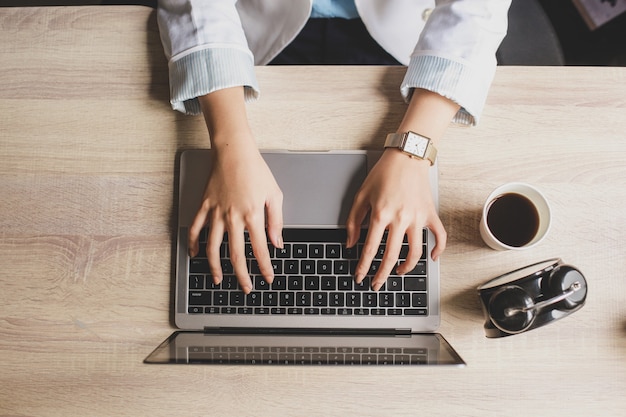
point(336, 299)
point(370, 299)
point(374, 267)
point(350, 253)
point(420, 269)
point(403, 299)
point(199, 266)
point(311, 282)
point(249, 252)
point(415, 311)
point(277, 264)
point(419, 300)
point(295, 282)
point(341, 267)
point(200, 298)
point(196, 282)
point(385, 299)
point(329, 283)
point(260, 284)
point(353, 299)
point(394, 284)
point(253, 299)
point(303, 299)
point(307, 266)
point(287, 299)
point(279, 283)
point(363, 286)
point(270, 298)
point(229, 282)
point(316, 251)
point(324, 267)
point(220, 298)
point(345, 283)
point(333, 251)
point(227, 267)
point(414, 284)
point(285, 252)
point(291, 267)
point(237, 298)
point(300, 250)
point(320, 299)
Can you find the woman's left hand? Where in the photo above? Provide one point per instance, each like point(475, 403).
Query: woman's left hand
point(397, 195)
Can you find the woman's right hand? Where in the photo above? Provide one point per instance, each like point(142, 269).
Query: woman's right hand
point(241, 195)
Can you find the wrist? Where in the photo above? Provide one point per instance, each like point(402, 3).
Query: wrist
point(413, 145)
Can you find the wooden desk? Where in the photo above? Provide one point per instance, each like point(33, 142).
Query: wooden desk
point(88, 145)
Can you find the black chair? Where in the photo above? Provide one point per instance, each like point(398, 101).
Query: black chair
point(531, 38)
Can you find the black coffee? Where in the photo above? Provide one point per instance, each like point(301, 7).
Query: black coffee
point(513, 219)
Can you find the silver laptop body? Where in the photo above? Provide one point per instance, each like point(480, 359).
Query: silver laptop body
point(318, 189)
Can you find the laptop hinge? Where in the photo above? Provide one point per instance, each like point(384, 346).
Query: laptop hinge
point(306, 331)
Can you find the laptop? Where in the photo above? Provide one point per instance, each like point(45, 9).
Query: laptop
point(313, 313)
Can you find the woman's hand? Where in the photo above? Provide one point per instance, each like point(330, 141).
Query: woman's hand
point(397, 195)
point(241, 193)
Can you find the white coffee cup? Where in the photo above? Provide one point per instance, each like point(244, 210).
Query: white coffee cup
point(515, 216)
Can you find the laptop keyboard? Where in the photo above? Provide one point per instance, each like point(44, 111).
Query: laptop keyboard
point(313, 275)
point(309, 355)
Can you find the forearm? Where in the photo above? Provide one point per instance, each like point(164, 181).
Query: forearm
point(226, 118)
point(428, 114)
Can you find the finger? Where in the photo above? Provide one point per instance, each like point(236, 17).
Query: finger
point(275, 221)
point(197, 224)
point(214, 243)
point(441, 238)
point(258, 239)
point(236, 246)
point(355, 220)
point(390, 258)
point(370, 249)
point(414, 238)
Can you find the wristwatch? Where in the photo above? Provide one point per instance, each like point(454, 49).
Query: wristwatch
point(413, 144)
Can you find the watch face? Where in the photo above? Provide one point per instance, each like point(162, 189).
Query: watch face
point(416, 144)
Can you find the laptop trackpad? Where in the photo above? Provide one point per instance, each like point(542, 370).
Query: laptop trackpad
point(318, 188)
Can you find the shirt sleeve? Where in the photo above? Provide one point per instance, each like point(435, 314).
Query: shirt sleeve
point(456, 54)
point(206, 49)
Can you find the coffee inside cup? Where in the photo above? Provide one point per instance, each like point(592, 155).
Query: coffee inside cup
point(513, 219)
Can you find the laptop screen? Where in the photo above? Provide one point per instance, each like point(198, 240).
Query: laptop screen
point(304, 349)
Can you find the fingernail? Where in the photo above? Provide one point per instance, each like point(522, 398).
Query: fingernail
point(358, 278)
point(377, 286)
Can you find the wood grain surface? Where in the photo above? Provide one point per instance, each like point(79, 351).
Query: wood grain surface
point(88, 147)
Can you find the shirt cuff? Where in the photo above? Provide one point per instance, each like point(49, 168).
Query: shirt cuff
point(203, 71)
point(451, 79)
